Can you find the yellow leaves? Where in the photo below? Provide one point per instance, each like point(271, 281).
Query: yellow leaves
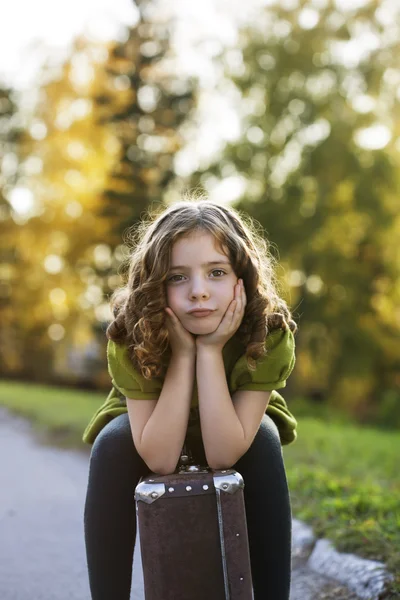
point(382, 284)
point(150, 176)
point(383, 305)
point(352, 393)
point(370, 524)
point(7, 272)
point(58, 299)
point(344, 194)
point(83, 333)
point(59, 242)
point(383, 328)
point(77, 154)
point(342, 232)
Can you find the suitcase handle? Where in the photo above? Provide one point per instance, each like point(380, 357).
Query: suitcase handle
point(186, 455)
point(187, 464)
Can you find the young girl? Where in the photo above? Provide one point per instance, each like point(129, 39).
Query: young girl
point(209, 379)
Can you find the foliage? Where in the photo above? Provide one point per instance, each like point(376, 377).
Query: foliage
point(96, 154)
point(318, 156)
point(13, 153)
point(325, 188)
point(61, 412)
point(147, 125)
point(66, 158)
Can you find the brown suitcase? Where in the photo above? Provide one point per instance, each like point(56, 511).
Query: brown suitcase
point(193, 534)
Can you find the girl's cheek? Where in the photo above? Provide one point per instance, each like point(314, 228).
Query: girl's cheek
point(171, 296)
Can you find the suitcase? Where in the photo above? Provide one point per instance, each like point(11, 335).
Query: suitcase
point(193, 534)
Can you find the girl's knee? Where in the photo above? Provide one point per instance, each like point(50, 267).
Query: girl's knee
point(266, 447)
point(114, 443)
point(262, 468)
point(267, 437)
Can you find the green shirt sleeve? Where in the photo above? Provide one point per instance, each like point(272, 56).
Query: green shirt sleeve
point(128, 380)
point(271, 374)
point(272, 370)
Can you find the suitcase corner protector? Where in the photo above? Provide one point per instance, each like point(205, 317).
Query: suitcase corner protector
point(149, 492)
point(228, 480)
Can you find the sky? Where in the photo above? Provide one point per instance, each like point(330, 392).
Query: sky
point(53, 24)
point(29, 31)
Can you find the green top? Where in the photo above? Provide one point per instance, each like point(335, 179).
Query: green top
point(270, 375)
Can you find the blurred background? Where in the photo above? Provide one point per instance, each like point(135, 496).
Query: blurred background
point(289, 111)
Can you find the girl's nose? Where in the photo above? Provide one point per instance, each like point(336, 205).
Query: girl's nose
point(199, 290)
point(199, 294)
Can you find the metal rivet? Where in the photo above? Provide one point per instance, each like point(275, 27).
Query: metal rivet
point(151, 479)
point(241, 579)
point(237, 535)
point(205, 487)
point(171, 489)
point(154, 495)
point(225, 486)
point(188, 488)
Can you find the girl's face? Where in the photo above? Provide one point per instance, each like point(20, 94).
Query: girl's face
point(192, 283)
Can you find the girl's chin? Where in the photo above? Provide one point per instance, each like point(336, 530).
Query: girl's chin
point(201, 329)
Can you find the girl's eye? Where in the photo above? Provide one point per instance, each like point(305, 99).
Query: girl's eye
point(214, 270)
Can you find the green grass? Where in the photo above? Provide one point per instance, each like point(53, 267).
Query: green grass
point(60, 413)
point(344, 479)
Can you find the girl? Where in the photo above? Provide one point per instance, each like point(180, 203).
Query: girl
point(209, 379)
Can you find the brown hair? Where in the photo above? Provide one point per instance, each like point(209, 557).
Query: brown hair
point(138, 306)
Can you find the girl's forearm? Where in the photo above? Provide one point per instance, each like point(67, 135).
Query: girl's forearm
point(164, 433)
point(222, 431)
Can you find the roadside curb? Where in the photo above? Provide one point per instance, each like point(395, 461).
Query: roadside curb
point(366, 578)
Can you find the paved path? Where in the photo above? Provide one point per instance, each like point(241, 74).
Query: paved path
point(42, 554)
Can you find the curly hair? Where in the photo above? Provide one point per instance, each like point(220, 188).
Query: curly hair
point(138, 305)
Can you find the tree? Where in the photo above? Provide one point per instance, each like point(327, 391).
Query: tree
point(12, 137)
point(90, 130)
point(156, 102)
point(321, 172)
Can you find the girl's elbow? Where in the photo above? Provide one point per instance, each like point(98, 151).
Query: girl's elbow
point(163, 471)
point(220, 465)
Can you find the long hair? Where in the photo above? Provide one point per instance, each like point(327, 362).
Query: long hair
point(138, 306)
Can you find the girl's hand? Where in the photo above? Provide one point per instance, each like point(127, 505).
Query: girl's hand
point(180, 339)
point(229, 324)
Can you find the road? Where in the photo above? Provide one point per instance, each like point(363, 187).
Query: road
point(42, 553)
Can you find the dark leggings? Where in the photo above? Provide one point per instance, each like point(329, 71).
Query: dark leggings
point(110, 515)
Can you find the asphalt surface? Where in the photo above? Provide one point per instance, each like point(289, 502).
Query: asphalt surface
point(42, 552)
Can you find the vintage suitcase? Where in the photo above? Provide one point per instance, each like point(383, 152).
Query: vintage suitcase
point(193, 534)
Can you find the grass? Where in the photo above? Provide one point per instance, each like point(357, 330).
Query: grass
point(344, 479)
point(60, 414)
